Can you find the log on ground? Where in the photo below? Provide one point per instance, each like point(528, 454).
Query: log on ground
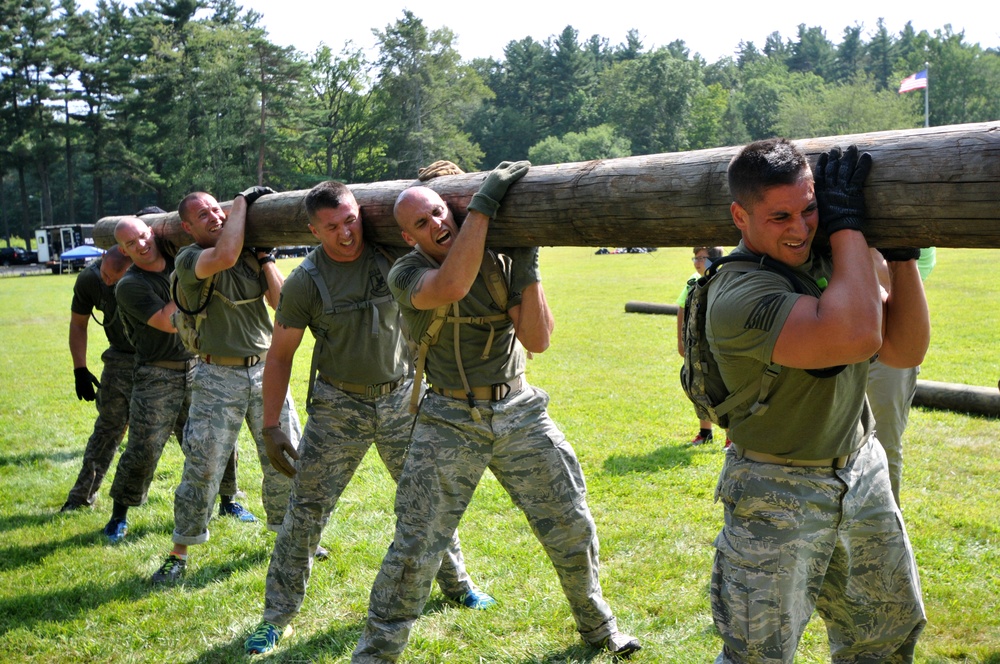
point(928, 187)
point(958, 397)
point(637, 307)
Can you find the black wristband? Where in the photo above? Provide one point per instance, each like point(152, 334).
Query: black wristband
point(266, 259)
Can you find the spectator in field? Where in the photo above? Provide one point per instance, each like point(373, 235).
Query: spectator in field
point(810, 520)
point(703, 257)
point(233, 340)
point(479, 413)
point(361, 395)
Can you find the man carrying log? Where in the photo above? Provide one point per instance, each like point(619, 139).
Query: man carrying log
point(480, 412)
point(359, 397)
point(232, 342)
point(810, 519)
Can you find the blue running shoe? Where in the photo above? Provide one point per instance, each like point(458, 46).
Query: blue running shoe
point(116, 530)
point(237, 511)
point(265, 638)
point(474, 599)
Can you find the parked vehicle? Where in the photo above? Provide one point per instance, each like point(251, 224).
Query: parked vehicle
point(53, 240)
point(17, 256)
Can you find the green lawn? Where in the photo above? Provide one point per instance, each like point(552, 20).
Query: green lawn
point(66, 596)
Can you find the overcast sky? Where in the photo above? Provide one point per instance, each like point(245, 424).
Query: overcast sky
point(714, 29)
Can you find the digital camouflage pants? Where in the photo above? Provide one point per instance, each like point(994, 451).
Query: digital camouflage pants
point(340, 430)
point(222, 399)
point(796, 539)
point(112, 403)
point(448, 454)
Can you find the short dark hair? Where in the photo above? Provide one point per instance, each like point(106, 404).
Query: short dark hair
point(764, 164)
point(186, 201)
point(713, 252)
point(329, 194)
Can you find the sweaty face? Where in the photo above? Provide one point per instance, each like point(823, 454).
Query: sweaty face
point(138, 243)
point(426, 220)
point(203, 219)
point(783, 223)
point(339, 230)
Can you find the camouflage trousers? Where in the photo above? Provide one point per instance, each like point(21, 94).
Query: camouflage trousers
point(158, 407)
point(796, 539)
point(340, 430)
point(112, 403)
point(222, 399)
point(890, 393)
point(448, 454)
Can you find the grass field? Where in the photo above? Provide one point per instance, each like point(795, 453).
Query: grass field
point(66, 596)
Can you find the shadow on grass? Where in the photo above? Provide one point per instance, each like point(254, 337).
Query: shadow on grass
point(667, 456)
point(27, 520)
point(334, 642)
point(575, 653)
point(27, 609)
point(35, 458)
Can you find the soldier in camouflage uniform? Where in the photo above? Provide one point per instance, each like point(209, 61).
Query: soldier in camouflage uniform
point(359, 398)
point(226, 390)
point(162, 375)
point(810, 520)
point(479, 413)
point(95, 289)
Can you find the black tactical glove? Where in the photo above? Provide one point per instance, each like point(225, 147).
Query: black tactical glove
point(487, 199)
point(253, 193)
point(277, 445)
point(437, 169)
point(900, 254)
point(85, 384)
point(524, 268)
point(839, 180)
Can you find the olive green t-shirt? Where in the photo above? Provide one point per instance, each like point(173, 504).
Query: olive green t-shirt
point(239, 331)
point(505, 359)
point(808, 417)
point(140, 294)
point(89, 293)
point(348, 349)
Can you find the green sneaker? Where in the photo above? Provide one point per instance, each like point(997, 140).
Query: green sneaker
point(266, 637)
point(474, 599)
point(171, 571)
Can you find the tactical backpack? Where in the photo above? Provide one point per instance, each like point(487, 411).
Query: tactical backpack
point(188, 318)
point(701, 379)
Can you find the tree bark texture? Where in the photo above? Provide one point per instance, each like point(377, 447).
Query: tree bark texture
point(958, 397)
point(928, 187)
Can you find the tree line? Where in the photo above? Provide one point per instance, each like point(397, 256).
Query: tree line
point(109, 110)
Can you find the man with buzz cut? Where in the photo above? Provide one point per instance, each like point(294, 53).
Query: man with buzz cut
point(359, 397)
point(233, 339)
point(479, 413)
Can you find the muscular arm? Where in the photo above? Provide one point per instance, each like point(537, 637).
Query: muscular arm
point(533, 321)
point(78, 339)
point(278, 370)
point(907, 325)
point(161, 319)
point(227, 250)
point(843, 325)
point(452, 281)
point(274, 280)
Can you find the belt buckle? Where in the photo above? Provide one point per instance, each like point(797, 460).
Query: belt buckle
point(251, 360)
point(498, 393)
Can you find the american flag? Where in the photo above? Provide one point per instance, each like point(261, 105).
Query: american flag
point(914, 82)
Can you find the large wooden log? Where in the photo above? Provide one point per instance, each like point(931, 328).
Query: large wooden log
point(958, 397)
point(929, 187)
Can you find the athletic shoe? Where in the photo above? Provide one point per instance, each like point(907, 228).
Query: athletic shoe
point(171, 571)
point(236, 510)
point(265, 638)
point(321, 553)
point(70, 506)
point(701, 440)
point(116, 530)
point(474, 599)
point(619, 644)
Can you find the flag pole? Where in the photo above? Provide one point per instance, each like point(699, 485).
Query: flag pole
point(927, 94)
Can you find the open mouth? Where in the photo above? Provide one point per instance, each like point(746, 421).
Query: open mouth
point(443, 237)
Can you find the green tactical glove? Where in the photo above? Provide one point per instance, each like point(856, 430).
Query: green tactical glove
point(494, 188)
point(277, 445)
point(523, 269)
point(85, 384)
point(253, 193)
point(839, 180)
point(437, 169)
point(899, 254)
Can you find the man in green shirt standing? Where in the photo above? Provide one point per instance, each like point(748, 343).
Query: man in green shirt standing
point(226, 391)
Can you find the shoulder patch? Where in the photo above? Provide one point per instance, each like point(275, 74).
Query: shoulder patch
point(764, 312)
